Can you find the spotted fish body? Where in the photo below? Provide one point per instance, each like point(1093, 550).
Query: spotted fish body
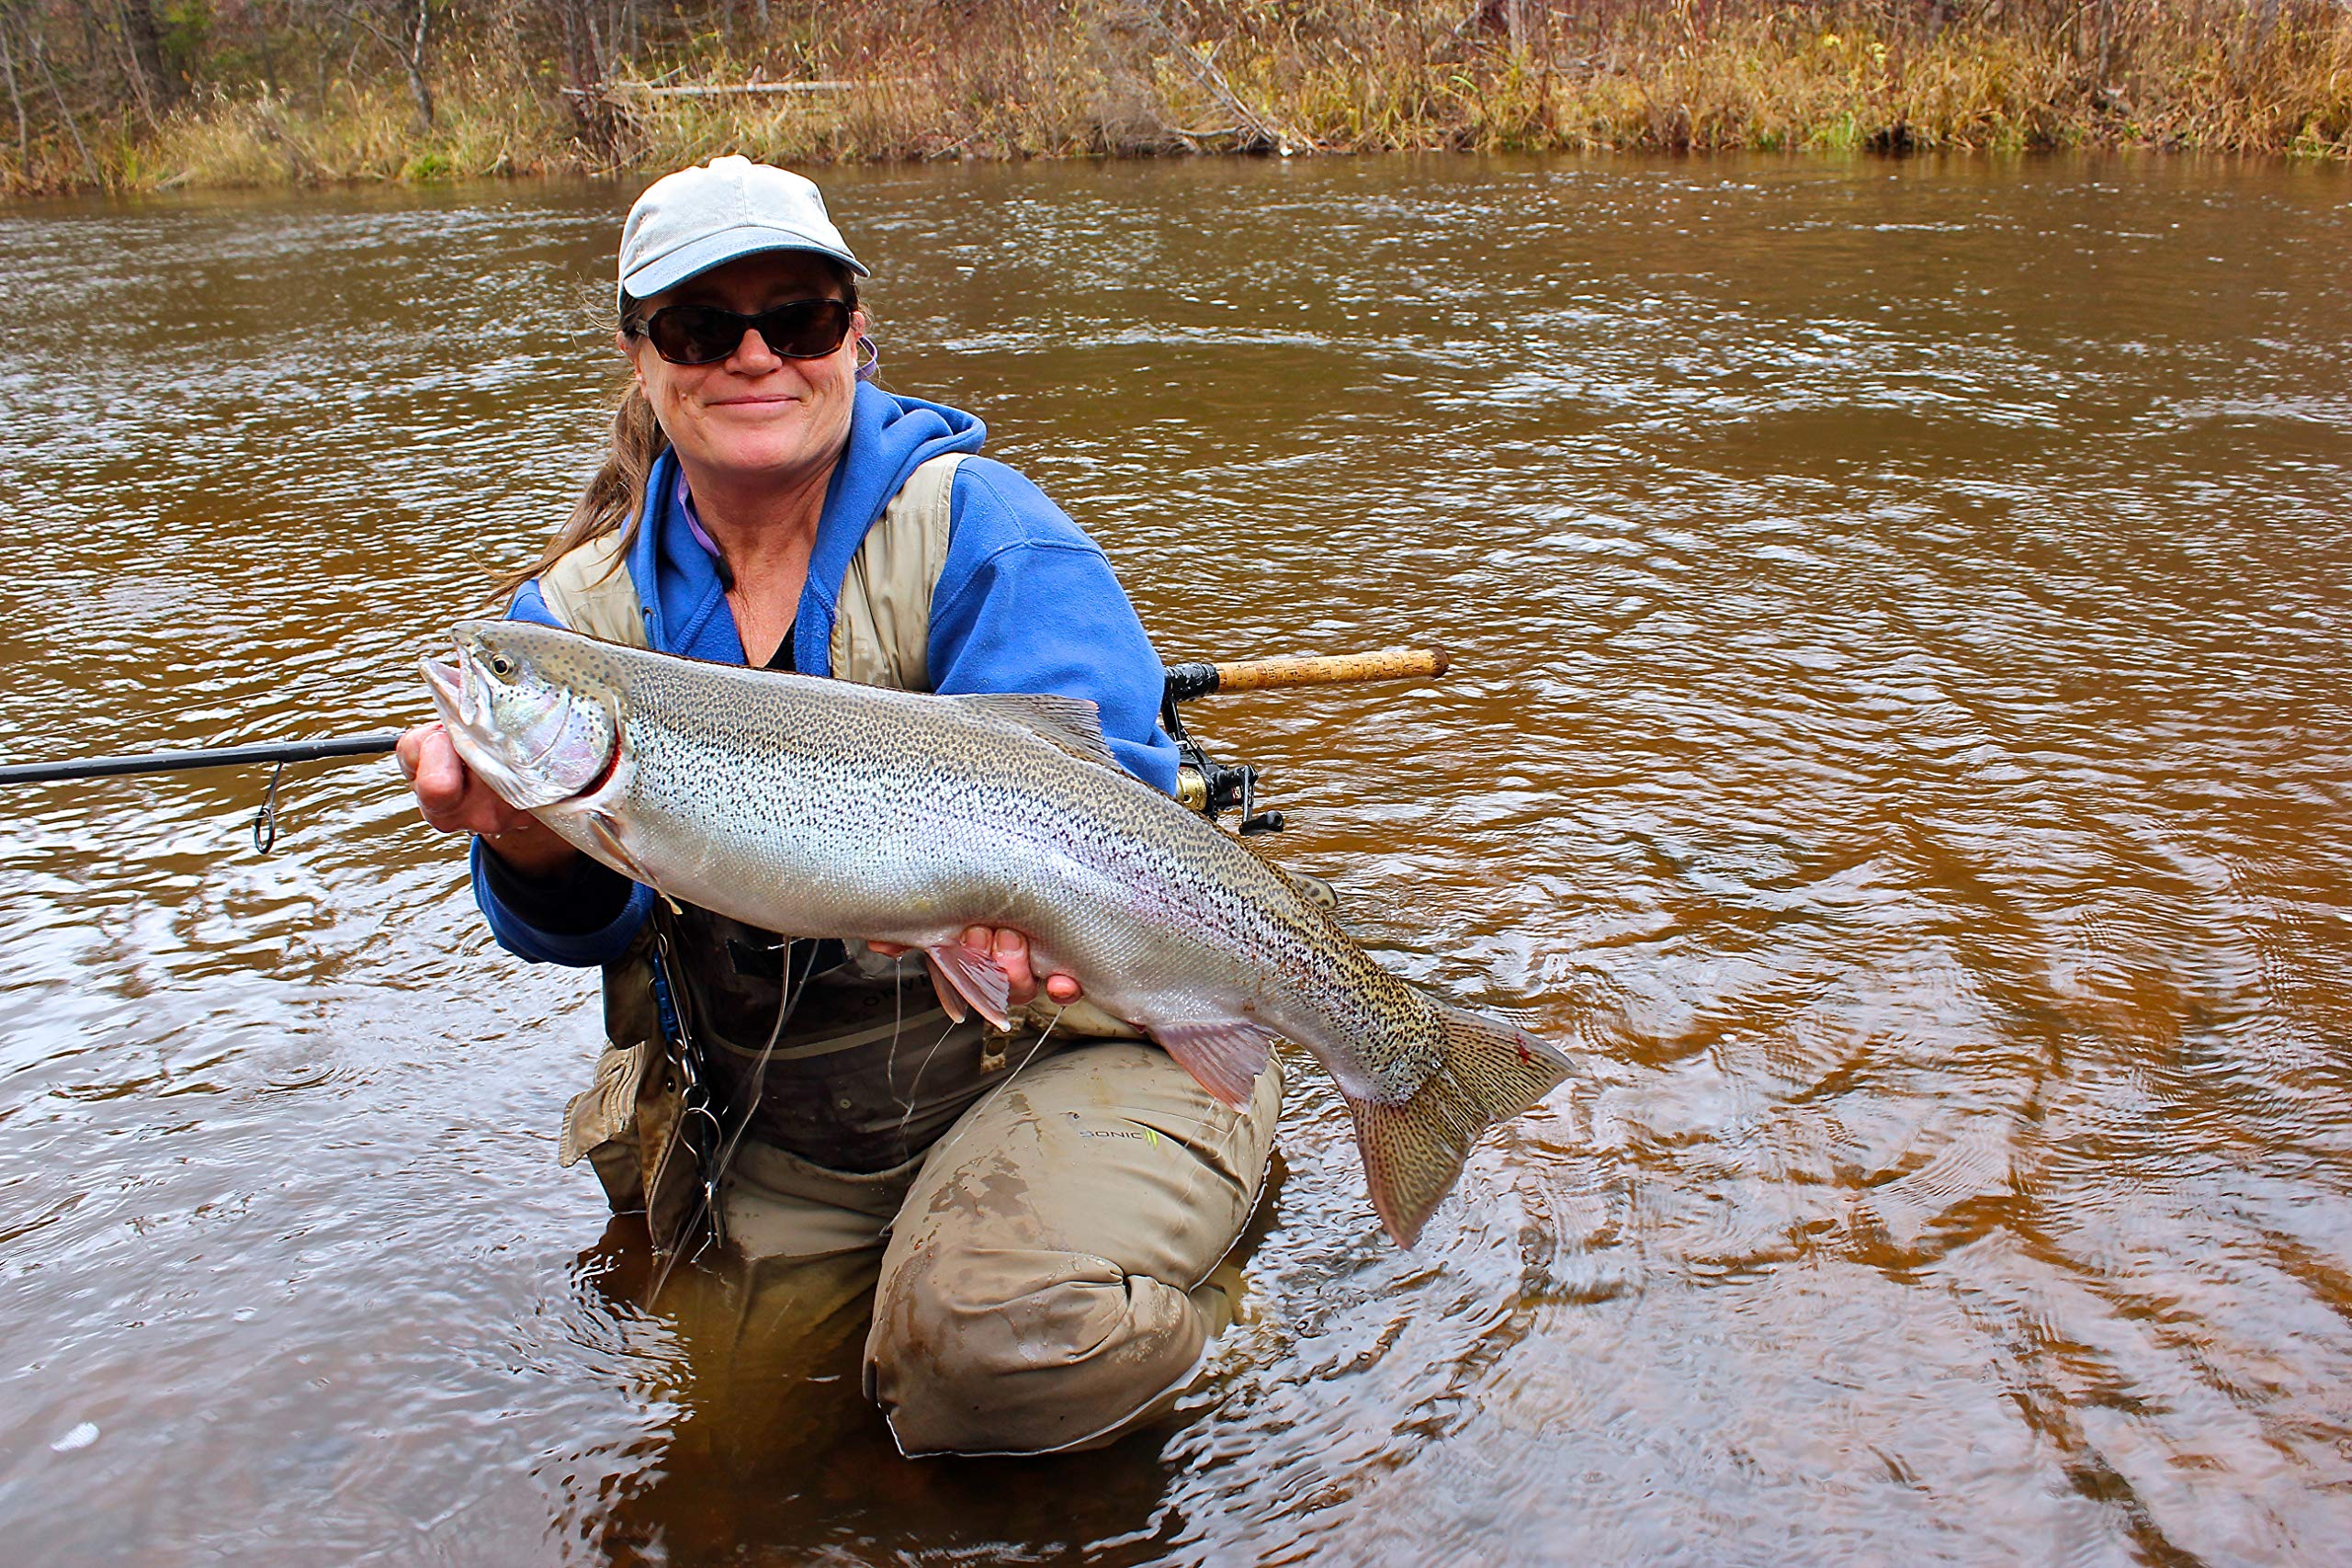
point(828, 809)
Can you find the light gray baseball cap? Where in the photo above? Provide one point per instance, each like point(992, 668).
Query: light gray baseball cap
point(706, 217)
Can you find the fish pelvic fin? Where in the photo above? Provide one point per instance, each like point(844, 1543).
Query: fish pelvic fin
point(967, 976)
point(1487, 1071)
point(1224, 1056)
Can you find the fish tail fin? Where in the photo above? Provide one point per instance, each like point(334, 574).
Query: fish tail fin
point(1489, 1071)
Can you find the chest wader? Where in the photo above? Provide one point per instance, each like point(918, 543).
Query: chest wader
point(868, 1069)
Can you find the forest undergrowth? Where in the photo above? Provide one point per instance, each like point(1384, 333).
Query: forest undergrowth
point(151, 95)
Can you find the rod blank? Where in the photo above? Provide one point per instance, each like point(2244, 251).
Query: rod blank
point(209, 757)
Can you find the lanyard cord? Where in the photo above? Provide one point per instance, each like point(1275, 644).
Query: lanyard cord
point(700, 1108)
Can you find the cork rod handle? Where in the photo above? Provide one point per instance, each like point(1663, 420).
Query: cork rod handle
point(1331, 670)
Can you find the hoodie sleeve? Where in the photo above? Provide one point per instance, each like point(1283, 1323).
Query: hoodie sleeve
point(1027, 602)
point(587, 917)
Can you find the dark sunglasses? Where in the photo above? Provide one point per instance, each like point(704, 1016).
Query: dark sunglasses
point(705, 335)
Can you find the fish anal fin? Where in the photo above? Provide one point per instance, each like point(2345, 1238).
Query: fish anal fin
point(973, 977)
point(951, 1001)
point(1074, 724)
point(1225, 1055)
point(1413, 1149)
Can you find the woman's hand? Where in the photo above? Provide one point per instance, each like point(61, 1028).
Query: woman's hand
point(1009, 949)
point(450, 798)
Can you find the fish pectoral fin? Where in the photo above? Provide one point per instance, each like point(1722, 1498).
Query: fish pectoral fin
point(961, 972)
point(605, 829)
point(1225, 1055)
point(1073, 723)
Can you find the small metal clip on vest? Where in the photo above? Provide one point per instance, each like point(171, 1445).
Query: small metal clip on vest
point(699, 1127)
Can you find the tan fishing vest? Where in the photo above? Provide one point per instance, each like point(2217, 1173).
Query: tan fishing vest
point(882, 626)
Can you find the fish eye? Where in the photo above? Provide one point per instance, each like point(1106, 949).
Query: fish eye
point(502, 665)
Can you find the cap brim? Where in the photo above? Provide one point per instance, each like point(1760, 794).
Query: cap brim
point(717, 249)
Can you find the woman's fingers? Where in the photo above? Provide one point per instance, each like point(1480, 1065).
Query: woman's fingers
point(448, 797)
point(1010, 950)
point(430, 765)
point(435, 776)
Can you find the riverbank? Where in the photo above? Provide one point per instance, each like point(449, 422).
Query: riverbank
point(513, 88)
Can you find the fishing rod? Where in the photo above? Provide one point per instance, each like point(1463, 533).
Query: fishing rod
point(1211, 787)
point(1206, 785)
point(279, 751)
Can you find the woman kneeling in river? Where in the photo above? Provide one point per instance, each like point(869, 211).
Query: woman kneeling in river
point(1035, 1215)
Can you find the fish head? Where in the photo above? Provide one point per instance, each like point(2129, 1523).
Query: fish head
point(526, 711)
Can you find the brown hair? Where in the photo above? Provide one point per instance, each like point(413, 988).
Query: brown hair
point(614, 499)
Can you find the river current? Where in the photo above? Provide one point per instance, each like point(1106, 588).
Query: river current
point(1900, 737)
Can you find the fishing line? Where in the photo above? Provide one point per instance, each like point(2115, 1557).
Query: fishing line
point(898, 1028)
point(907, 1105)
point(972, 1115)
point(1200, 1147)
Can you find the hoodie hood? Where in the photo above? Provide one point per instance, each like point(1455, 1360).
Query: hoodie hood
point(889, 437)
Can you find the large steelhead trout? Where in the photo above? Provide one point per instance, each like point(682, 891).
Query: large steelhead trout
point(827, 809)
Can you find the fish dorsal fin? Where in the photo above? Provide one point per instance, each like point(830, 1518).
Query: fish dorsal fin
point(1072, 723)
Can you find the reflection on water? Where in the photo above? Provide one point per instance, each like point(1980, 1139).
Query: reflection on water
point(1900, 730)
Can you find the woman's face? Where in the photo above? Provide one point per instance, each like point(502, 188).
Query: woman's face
point(754, 415)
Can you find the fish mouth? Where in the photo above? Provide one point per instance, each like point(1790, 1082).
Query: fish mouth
point(451, 682)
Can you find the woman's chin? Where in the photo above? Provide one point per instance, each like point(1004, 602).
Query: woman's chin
point(757, 459)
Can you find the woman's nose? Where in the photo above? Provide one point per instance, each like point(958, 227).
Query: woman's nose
point(752, 356)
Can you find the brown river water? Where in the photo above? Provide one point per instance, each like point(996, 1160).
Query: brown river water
point(1900, 732)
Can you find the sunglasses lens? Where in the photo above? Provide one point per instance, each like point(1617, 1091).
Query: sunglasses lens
point(807, 329)
point(694, 334)
point(705, 335)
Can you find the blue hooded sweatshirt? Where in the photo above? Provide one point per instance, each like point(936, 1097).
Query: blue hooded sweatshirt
point(1025, 603)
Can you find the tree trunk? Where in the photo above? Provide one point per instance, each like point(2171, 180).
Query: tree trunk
point(16, 102)
point(64, 114)
point(413, 62)
point(147, 50)
point(2265, 23)
point(584, 67)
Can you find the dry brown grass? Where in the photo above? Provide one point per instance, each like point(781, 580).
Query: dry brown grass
point(1111, 77)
